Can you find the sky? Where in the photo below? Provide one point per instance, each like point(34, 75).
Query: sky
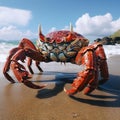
point(91, 18)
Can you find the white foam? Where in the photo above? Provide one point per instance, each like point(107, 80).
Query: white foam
point(4, 50)
point(112, 50)
point(5, 47)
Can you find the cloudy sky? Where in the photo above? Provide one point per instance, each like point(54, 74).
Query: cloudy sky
point(91, 18)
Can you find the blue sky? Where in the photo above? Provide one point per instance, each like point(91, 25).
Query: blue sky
point(91, 18)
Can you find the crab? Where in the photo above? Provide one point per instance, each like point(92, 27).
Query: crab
point(60, 46)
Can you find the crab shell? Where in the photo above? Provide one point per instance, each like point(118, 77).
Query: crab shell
point(61, 46)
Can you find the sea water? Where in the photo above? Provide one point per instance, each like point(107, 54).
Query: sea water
point(6, 46)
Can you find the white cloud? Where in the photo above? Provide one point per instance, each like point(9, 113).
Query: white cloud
point(12, 33)
point(90, 27)
point(96, 26)
point(10, 16)
point(10, 21)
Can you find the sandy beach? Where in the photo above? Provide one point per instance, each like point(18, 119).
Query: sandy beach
point(18, 102)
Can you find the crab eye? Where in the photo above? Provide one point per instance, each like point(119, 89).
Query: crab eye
point(70, 37)
point(48, 39)
point(86, 42)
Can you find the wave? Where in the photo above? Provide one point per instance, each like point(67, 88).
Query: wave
point(6, 46)
point(112, 50)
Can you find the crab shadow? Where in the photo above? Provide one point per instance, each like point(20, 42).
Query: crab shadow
point(59, 81)
point(100, 100)
point(110, 95)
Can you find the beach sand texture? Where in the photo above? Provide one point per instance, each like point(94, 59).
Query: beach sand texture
point(18, 102)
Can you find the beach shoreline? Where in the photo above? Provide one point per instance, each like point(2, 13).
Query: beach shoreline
point(17, 102)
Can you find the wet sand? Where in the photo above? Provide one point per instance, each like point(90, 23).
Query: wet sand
point(17, 102)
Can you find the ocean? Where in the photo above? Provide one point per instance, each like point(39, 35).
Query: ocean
point(6, 46)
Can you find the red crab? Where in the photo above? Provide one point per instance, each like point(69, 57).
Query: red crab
point(60, 46)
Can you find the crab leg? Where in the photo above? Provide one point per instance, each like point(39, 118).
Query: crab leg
point(26, 43)
point(37, 64)
point(7, 64)
point(19, 70)
point(29, 63)
point(103, 67)
point(103, 72)
point(87, 76)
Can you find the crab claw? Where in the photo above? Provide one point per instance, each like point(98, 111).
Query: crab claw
point(70, 92)
point(22, 75)
point(76, 86)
